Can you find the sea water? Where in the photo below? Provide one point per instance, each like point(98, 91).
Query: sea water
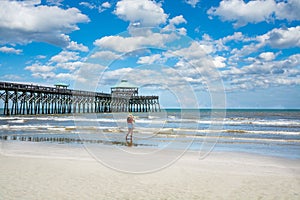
point(266, 132)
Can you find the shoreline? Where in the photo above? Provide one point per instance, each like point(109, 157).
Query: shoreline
point(277, 150)
point(64, 171)
point(79, 151)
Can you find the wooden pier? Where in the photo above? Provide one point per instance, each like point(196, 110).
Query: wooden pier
point(28, 99)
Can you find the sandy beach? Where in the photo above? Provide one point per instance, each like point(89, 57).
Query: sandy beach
point(46, 171)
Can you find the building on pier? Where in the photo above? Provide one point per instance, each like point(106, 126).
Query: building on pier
point(61, 85)
point(125, 98)
point(21, 99)
point(124, 89)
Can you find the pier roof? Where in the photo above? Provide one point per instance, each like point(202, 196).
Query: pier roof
point(64, 85)
point(125, 84)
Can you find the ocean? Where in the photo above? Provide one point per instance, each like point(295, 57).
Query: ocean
point(257, 131)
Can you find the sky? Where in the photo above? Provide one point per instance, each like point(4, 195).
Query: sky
point(192, 53)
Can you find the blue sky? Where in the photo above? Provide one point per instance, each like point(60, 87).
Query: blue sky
point(192, 53)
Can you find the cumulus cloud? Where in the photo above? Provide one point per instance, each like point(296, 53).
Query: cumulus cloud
point(36, 68)
point(282, 38)
point(30, 2)
point(88, 5)
point(221, 44)
point(248, 66)
point(219, 61)
point(22, 23)
point(146, 13)
point(105, 55)
point(102, 7)
point(237, 36)
point(54, 2)
point(85, 74)
point(77, 47)
point(177, 20)
point(127, 44)
point(267, 56)
point(106, 4)
point(189, 60)
point(174, 22)
point(12, 50)
point(263, 74)
point(278, 38)
point(149, 59)
point(65, 56)
point(196, 50)
point(71, 66)
point(193, 3)
point(12, 77)
point(147, 77)
point(288, 10)
point(41, 57)
point(242, 13)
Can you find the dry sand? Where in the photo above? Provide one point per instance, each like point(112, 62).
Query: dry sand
point(35, 171)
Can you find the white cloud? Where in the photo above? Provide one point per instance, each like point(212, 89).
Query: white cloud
point(196, 50)
point(106, 5)
point(182, 31)
point(264, 74)
point(219, 61)
point(237, 36)
point(71, 66)
point(267, 56)
point(55, 2)
point(255, 11)
point(88, 5)
point(146, 77)
point(119, 43)
point(194, 57)
point(77, 47)
point(22, 24)
point(221, 43)
point(282, 37)
point(41, 56)
point(11, 77)
point(6, 49)
point(83, 73)
point(116, 74)
point(30, 2)
point(177, 20)
point(105, 55)
point(243, 13)
point(65, 56)
point(174, 22)
point(288, 10)
point(100, 8)
point(193, 3)
point(36, 68)
point(149, 59)
point(49, 75)
point(145, 12)
point(127, 44)
point(65, 76)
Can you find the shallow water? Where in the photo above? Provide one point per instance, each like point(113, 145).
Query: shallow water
point(267, 132)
